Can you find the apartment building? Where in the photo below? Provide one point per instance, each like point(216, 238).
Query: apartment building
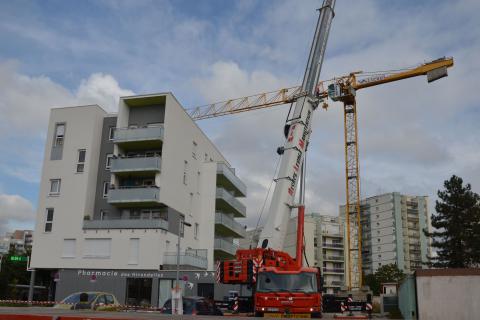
point(392, 225)
point(20, 241)
point(118, 189)
point(324, 247)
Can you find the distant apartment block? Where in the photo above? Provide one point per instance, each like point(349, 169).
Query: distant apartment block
point(324, 247)
point(20, 241)
point(115, 192)
point(392, 226)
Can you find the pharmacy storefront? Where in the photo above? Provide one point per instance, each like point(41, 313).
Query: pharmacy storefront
point(144, 288)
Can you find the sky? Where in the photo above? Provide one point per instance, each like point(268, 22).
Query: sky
point(412, 135)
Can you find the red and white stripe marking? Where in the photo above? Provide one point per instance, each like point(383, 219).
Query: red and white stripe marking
point(369, 307)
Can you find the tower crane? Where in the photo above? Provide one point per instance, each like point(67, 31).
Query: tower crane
point(341, 89)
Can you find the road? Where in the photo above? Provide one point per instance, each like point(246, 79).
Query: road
point(91, 315)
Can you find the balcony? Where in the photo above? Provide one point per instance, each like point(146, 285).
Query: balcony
point(334, 284)
point(333, 258)
point(135, 165)
point(227, 179)
point(331, 235)
point(139, 138)
point(126, 224)
point(333, 270)
point(188, 260)
point(224, 249)
point(228, 203)
point(228, 227)
point(335, 246)
point(134, 196)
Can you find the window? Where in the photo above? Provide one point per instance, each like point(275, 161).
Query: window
point(205, 158)
point(59, 134)
point(55, 186)
point(97, 248)
point(103, 215)
point(68, 248)
point(134, 251)
point(111, 133)
point(194, 150)
point(182, 226)
point(106, 186)
point(81, 160)
point(185, 168)
point(195, 231)
point(109, 161)
point(198, 182)
point(48, 219)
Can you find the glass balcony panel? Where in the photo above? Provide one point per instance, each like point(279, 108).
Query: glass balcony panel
point(134, 195)
point(228, 203)
point(225, 246)
point(126, 224)
point(229, 226)
point(226, 177)
point(188, 260)
point(135, 164)
point(122, 135)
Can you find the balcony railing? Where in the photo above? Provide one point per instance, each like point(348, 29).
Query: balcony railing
point(135, 164)
point(333, 258)
point(227, 202)
point(226, 177)
point(334, 270)
point(187, 260)
point(134, 195)
point(126, 224)
point(123, 135)
point(229, 226)
point(333, 245)
point(225, 246)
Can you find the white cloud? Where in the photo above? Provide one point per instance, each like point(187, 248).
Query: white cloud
point(25, 104)
point(15, 209)
point(412, 135)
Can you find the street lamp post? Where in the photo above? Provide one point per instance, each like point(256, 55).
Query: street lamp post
point(181, 228)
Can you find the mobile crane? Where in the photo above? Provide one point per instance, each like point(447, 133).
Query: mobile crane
point(281, 284)
point(341, 89)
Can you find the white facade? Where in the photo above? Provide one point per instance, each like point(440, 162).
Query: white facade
point(154, 167)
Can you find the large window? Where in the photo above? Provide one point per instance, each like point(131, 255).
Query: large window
point(81, 160)
point(109, 161)
point(59, 134)
point(55, 187)
point(106, 186)
point(185, 170)
point(48, 219)
point(301, 282)
point(97, 248)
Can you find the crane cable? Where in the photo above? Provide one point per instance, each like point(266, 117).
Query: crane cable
point(265, 201)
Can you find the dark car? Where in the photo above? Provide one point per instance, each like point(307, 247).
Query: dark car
point(194, 306)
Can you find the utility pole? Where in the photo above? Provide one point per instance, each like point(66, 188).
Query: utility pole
point(181, 228)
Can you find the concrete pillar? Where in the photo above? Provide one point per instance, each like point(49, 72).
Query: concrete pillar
point(32, 285)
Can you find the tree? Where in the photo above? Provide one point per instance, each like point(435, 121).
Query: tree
point(386, 273)
point(457, 226)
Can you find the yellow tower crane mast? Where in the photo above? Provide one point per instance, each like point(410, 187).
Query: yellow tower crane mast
point(341, 89)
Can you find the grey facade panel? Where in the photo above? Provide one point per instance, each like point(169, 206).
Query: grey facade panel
point(106, 147)
point(145, 115)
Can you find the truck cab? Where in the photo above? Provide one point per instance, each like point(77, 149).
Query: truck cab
point(284, 293)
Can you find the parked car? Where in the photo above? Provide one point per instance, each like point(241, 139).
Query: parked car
point(194, 306)
point(89, 300)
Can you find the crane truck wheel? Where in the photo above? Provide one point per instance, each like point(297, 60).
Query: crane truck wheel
point(316, 315)
point(258, 314)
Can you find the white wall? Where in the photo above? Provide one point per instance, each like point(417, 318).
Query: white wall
point(448, 297)
point(83, 127)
